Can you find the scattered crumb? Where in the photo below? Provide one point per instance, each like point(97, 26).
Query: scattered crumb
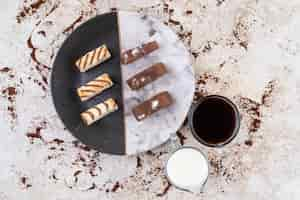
point(57, 141)
point(138, 162)
point(188, 12)
point(29, 10)
point(115, 187)
point(249, 142)
point(220, 2)
point(36, 134)
point(268, 92)
point(93, 2)
point(76, 173)
point(165, 190)
point(24, 182)
point(174, 22)
point(43, 33)
point(94, 186)
point(5, 69)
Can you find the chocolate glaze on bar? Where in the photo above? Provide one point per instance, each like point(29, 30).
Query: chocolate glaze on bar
point(134, 54)
point(146, 76)
point(152, 105)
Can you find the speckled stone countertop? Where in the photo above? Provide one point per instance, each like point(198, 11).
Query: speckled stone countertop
point(247, 50)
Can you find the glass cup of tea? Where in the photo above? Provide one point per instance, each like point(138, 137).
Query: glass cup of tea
point(214, 120)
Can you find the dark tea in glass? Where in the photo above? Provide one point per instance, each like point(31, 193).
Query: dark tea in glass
point(214, 121)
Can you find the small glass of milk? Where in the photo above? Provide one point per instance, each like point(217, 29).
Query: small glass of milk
point(187, 169)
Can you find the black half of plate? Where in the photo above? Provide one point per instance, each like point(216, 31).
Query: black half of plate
point(108, 134)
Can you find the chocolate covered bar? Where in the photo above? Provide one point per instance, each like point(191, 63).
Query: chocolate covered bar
point(152, 105)
point(146, 76)
point(99, 111)
point(94, 87)
point(93, 58)
point(134, 54)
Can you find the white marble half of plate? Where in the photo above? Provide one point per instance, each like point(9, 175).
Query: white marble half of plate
point(136, 29)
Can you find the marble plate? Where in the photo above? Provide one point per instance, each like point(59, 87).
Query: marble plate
point(120, 133)
point(134, 30)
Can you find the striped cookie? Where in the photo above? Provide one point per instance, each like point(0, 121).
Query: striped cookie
point(93, 58)
point(99, 111)
point(94, 87)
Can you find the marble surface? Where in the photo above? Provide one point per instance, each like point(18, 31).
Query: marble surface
point(155, 130)
point(247, 50)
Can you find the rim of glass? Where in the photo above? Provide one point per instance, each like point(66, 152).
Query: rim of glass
point(237, 124)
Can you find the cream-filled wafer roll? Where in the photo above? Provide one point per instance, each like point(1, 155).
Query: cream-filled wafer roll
point(94, 87)
point(99, 111)
point(93, 58)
